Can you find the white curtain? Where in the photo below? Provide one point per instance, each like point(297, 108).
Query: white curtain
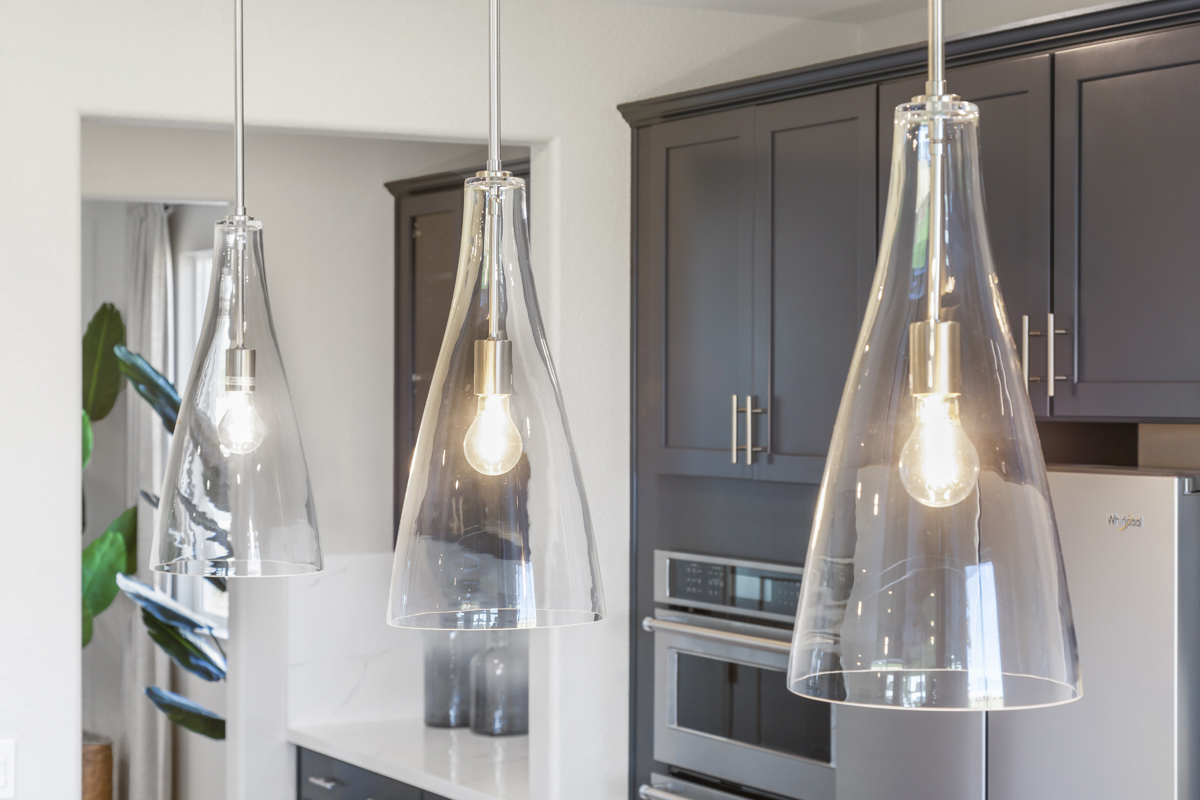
point(144, 768)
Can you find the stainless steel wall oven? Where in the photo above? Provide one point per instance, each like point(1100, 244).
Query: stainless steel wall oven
point(723, 717)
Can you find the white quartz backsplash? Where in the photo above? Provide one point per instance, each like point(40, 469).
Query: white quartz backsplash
point(345, 663)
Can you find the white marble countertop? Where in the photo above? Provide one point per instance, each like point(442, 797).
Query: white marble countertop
point(452, 762)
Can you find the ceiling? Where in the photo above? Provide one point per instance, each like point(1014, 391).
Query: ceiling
point(852, 11)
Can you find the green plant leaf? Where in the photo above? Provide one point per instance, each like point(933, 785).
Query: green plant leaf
point(152, 499)
point(101, 376)
point(88, 440)
point(126, 525)
point(87, 625)
point(186, 714)
point(102, 560)
point(187, 649)
point(159, 392)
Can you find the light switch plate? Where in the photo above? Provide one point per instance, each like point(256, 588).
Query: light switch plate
point(8, 769)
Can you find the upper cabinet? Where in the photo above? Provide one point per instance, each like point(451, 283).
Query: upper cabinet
point(757, 230)
point(1015, 142)
point(1126, 232)
point(814, 256)
point(756, 246)
point(695, 289)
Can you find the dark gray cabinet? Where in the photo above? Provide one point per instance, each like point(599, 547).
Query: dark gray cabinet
point(756, 246)
point(324, 778)
point(1015, 143)
point(1126, 238)
point(695, 290)
point(814, 257)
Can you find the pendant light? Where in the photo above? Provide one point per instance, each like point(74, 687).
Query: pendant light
point(236, 499)
point(934, 577)
point(495, 530)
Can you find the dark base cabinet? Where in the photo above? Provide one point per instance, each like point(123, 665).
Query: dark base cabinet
point(325, 778)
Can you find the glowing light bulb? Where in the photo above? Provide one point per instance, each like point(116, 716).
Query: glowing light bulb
point(241, 430)
point(493, 443)
point(938, 465)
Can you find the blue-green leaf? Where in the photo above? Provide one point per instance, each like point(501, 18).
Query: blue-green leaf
point(101, 376)
point(159, 392)
point(89, 440)
point(166, 609)
point(185, 713)
point(187, 649)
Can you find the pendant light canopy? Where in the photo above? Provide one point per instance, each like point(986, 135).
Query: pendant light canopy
point(236, 499)
point(495, 530)
point(934, 577)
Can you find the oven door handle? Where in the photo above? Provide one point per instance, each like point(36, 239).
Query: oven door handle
point(654, 625)
point(648, 792)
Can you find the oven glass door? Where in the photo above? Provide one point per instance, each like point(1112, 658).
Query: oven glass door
point(722, 709)
point(749, 705)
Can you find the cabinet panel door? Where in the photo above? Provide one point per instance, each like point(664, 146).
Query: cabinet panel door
point(1015, 141)
point(1127, 201)
point(814, 260)
point(694, 263)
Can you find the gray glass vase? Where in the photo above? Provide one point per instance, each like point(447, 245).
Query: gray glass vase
point(448, 656)
point(500, 685)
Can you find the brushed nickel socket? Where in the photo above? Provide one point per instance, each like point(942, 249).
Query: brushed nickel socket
point(239, 370)
point(934, 355)
point(493, 366)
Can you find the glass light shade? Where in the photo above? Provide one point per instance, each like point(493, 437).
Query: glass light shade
point(495, 530)
point(236, 499)
point(934, 577)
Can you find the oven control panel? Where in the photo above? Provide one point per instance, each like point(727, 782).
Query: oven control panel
point(746, 588)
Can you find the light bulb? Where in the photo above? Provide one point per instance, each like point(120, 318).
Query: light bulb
point(241, 430)
point(938, 465)
point(493, 443)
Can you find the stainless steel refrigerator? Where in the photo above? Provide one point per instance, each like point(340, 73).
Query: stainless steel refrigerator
point(1131, 548)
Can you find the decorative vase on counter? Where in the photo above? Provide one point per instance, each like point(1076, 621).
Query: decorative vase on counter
point(97, 767)
point(500, 685)
point(448, 657)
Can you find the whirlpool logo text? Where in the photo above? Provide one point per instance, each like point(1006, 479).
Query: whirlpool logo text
point(1124, 521)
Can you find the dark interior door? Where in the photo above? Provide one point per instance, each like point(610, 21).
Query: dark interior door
point(1015, 140)
point(814, 260)
point(1127, 201)
point(695, 285)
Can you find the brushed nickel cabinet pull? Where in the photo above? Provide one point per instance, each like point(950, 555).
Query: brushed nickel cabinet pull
point(1051, 378)
point(733, 446)
point(324, 783)
point(1025, 334)
point(750, 412)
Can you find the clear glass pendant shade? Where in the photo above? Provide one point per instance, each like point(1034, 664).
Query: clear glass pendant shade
point(495, 530)
point(236, 499)
point(934, 577)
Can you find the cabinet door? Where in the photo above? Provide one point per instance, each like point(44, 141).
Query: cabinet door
point(1127, 202)
point(694, 284)
point(814, 260)
point(1015, 141)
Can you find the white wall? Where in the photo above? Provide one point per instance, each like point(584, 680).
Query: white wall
point(406, 68)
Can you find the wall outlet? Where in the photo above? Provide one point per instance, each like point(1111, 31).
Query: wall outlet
point(8, 769)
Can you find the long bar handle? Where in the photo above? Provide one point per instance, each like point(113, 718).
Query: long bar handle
point(1025, 334)
point(648, 792)
point(654, 625)
point(733, 446)
point(1051, 378)
point(325, 783)
point(749, 447)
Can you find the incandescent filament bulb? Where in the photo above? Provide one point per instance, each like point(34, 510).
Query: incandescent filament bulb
point(493, 443)
point(938, 465)
point(241, 430)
